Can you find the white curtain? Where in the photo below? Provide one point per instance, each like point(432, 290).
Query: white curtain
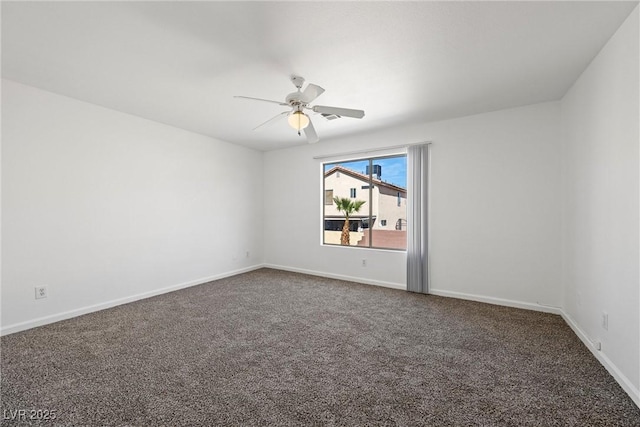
point(417, 218)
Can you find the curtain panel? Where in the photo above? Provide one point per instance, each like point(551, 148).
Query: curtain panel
point(418, 157)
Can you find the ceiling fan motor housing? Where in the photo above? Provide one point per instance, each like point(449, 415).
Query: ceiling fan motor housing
point(293, 99)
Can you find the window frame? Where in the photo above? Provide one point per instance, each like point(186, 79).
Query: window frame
point(369, 187)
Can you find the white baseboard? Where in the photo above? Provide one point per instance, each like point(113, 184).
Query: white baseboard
point(620, 378)
point(338, 276)
point(22, 326)
point(497, 301)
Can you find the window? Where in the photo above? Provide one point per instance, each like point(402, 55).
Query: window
point(328, 197)
point(356, 220)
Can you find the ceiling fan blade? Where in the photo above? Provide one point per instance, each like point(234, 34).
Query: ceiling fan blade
point(260, 99)
point(342, 112)
point(272, 120)
point(310, 93)
point(310, 132)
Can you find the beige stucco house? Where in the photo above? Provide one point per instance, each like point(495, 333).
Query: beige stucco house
point(387, 202)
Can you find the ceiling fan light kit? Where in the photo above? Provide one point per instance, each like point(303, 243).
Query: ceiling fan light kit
point(298, 120)
point(299, 101)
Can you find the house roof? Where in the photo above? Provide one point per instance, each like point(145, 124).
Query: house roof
point(364, 178)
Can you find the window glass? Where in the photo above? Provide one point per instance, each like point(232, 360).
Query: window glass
point(365, 194)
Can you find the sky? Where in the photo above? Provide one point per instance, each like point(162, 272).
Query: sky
point(394, 169)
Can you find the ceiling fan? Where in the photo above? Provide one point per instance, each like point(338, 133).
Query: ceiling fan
point(298, 102)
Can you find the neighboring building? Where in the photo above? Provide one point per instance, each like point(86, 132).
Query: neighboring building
point(388, 202)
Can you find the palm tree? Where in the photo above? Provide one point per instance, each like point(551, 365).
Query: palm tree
point(348, 207)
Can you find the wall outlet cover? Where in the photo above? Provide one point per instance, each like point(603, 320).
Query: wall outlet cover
point(41, 292)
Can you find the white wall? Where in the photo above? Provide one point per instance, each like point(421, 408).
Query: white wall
point(495, 208)
point(103, 207)
point(601, 195)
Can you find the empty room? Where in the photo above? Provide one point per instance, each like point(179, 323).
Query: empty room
point(320, 213)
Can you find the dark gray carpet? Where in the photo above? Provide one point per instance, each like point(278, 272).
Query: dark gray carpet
point(273, 348)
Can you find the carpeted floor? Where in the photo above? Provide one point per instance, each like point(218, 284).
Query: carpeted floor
point(272, 348)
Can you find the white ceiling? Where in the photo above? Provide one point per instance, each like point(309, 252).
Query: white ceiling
point(180, 63)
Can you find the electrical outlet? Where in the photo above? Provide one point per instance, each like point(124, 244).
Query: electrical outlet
point(364, 262)
point(41, 292)
point(247, 254)
point(605, 320)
